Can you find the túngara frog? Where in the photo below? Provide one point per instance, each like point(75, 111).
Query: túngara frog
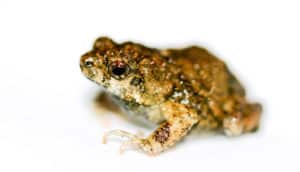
point(177, 89)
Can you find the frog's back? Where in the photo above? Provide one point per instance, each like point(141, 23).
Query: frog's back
point(207, 74)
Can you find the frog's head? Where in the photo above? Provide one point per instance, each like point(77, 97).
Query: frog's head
point(129, 71)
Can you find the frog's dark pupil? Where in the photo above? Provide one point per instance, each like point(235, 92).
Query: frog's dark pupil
point(119, 70)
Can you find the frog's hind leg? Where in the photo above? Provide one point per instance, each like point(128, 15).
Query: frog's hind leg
point(243, 121)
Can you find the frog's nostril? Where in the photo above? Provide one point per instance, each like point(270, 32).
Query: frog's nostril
point(89, 62)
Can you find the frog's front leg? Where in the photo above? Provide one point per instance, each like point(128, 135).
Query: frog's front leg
point(179, 120)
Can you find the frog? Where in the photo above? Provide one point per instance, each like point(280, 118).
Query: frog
point(175, 89)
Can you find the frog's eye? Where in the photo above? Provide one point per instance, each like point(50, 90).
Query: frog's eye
point(119, 69)
point(89, 62)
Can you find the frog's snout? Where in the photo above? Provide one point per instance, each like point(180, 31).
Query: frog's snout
point(86, 61)
point(87, 64)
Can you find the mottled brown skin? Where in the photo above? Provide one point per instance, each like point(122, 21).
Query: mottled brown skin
point(176, 88)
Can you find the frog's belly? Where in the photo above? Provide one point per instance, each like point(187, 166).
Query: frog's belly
point(146, 115)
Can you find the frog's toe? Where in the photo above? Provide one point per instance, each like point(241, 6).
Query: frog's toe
point(119, 133)
point(133, 140)
point(134, 143)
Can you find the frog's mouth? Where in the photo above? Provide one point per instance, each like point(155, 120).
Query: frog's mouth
point(89, 73)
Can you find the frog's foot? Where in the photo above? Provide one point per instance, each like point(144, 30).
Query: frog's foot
point(134, 140)
point(240, 123)
point(233, 126)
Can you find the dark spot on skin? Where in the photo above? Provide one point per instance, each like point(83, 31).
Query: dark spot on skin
point(136, 81)
point(163, 133)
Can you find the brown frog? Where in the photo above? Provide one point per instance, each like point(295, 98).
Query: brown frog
point(175, 88)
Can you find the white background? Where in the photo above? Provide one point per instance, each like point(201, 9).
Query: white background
point(47, 117)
